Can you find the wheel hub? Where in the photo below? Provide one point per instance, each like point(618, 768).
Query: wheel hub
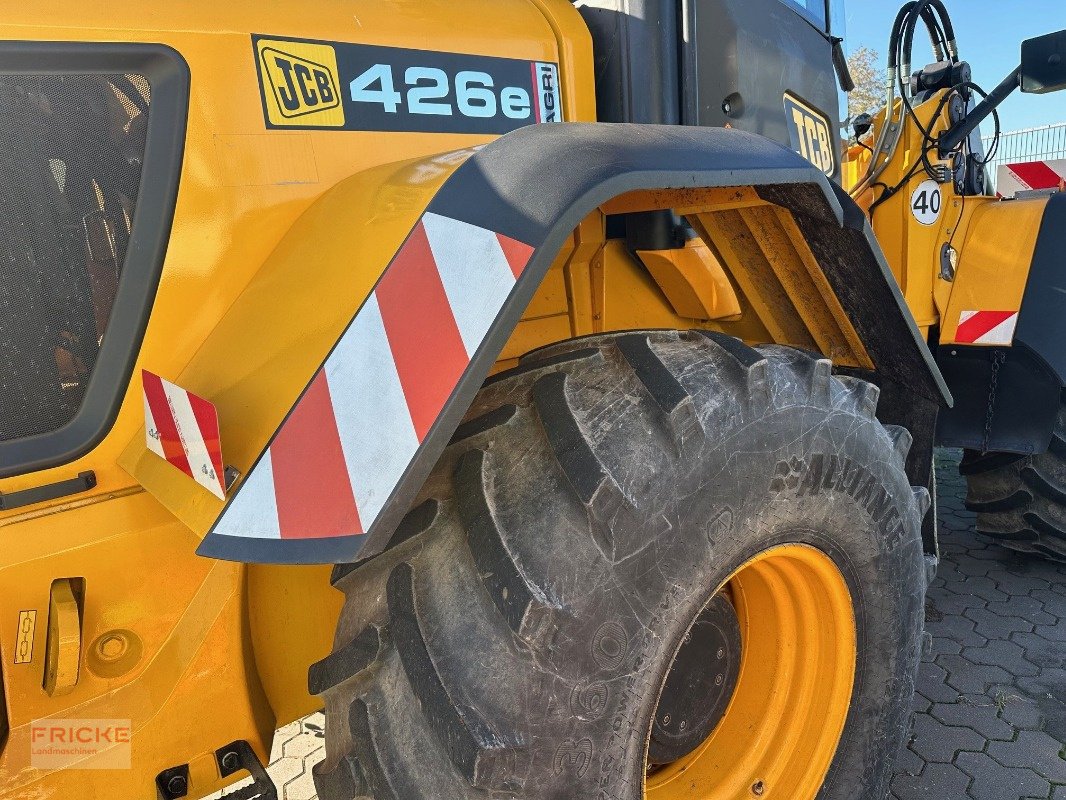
point(700, 684)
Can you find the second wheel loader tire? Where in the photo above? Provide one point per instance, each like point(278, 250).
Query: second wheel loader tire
point(651, 564)
point(1020, 501)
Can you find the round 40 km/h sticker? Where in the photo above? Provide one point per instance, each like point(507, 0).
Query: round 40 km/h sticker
point(926, 202)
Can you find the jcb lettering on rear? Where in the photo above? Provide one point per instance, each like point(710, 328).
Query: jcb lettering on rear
point(314, 83)
point(811, 135)
point(300, 84)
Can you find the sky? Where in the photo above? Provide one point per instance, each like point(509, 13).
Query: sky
point(990, 33)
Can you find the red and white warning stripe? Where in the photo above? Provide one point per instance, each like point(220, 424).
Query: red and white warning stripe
point(1014, 178)
point(986, 327)
point(344, 447)
point(183, 429)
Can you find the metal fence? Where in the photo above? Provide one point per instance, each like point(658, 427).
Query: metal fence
point(1031, 144)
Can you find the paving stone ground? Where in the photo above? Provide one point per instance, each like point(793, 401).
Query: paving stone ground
point(990, 712)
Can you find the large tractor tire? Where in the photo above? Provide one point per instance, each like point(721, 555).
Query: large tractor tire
point(1020, 501)
point(649, 565)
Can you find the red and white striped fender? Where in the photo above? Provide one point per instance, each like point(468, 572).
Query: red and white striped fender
point(340, 472)
point(339, 455)
point(1014, 178)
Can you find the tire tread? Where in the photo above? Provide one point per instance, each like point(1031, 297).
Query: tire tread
point(1020, 501)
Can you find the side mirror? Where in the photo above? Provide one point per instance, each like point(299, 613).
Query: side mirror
point(1044, 63)
point(861, 125)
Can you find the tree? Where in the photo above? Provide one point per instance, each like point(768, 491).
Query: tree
point(869, 95)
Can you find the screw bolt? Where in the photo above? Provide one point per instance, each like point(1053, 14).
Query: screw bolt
point(758, 788)
point(231, 761)
point(178, 786)
point(666, 719)
point(112, 647)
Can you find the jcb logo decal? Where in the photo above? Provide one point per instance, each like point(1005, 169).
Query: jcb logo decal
point(810, 134)
point(364, 87)
point(300, 83)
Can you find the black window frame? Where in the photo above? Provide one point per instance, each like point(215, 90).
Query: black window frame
point(800, 7)
point(168, 76)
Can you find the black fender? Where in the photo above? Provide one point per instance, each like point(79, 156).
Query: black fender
point(534, 186)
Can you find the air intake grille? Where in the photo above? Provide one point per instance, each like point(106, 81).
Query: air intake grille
point(71, 152)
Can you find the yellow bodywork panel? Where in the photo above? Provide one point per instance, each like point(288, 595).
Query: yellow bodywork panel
point(693, 281)
point(630, 297)
point(912, 248)
point(994, 261)
point(255, 373)
point(781, 282)
point(243, 187)
point(166, 640)
point(993, 240)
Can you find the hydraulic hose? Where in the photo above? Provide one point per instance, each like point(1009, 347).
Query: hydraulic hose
point(936, 33)
point(881, 145)
point(949, 29)
point(908, 39)
point(941, 31)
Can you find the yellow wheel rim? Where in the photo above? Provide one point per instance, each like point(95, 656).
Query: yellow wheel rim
point(783, 724)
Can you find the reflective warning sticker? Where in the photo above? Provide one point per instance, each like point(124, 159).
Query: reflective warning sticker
point(24, 637)
point(1032, 175)
point(183, 429)
point(360, 87)
point(986, 327)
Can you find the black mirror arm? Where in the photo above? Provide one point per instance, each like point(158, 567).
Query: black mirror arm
point(951, 139)
point(840, 64)
point(840, 60)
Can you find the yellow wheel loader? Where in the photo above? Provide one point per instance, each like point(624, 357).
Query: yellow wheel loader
point(516, 380)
